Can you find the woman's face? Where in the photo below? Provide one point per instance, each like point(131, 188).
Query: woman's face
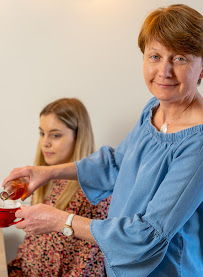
point(57, 141)
point(170, 76)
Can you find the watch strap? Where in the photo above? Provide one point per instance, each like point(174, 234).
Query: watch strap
point(69, 220)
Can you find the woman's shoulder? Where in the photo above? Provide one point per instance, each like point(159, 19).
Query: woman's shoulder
point(152, 102)
point(148, 109)
point(150, 105)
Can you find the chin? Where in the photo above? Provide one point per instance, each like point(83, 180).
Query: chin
point(50, 162)
point(169, 97)
point(164, 96)
point(55, 162)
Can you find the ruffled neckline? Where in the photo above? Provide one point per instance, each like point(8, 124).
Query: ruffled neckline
point(171, 137)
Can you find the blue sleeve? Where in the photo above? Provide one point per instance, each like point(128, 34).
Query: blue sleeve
point(137, 245)
point(97, 173)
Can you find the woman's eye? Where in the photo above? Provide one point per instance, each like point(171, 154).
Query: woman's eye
point(41, 134)
point(154, 57)
point(180, 59)
point(56, 135)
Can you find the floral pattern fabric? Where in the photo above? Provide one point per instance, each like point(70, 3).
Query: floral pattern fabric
point(55, 254)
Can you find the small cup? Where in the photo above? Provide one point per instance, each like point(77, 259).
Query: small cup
point(7, 212)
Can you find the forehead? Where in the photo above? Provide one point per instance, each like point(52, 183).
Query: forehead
point(161, 48)
point(154, 44)
point(51, 121)
point(159, 45)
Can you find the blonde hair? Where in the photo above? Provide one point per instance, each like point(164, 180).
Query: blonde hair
point(74, 115)
point(178, 27)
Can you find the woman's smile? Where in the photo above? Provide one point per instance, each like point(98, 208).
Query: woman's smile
point(166, 86)
point(48, 154)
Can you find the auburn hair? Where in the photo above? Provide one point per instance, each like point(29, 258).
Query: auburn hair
point(178, 27)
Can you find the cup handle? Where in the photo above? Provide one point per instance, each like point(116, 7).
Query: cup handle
point(15, 222)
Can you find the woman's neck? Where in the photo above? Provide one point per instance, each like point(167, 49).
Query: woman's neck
point(176, 116)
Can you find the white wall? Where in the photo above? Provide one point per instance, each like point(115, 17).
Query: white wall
point(69, 48)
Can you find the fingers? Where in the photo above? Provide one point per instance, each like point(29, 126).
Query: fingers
point(25, 172)
point(20, 213)
point(16, 173)
point(21, 225)
point(23, 213)
point(25, 196)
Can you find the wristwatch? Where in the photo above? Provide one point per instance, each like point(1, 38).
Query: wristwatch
point(67, 230)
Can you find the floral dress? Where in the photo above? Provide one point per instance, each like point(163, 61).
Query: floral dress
point(55, 254)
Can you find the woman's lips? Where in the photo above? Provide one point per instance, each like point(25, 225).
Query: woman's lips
point(166, 85)
point(48, 154)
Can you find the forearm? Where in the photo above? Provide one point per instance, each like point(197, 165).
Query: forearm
point(63, 171)
point(81, 227)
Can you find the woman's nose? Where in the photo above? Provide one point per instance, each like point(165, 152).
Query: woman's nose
point(165, 69)
point(46, 142)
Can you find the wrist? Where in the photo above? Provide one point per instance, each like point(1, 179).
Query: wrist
point(67, 229)
point(62, 220)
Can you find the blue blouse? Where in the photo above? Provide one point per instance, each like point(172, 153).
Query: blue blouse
point(155, 222)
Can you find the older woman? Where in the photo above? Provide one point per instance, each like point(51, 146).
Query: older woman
point(155, 176)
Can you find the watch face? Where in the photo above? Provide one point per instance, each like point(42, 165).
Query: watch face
point(67, 230)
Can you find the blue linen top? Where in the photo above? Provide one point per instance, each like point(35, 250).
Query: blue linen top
point(155, 221)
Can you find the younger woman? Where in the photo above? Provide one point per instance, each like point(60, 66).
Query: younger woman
point(65, 135)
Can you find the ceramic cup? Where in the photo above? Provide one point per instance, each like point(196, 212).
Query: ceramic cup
point(7, 212)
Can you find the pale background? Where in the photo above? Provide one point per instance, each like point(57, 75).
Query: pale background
point(69, 48)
